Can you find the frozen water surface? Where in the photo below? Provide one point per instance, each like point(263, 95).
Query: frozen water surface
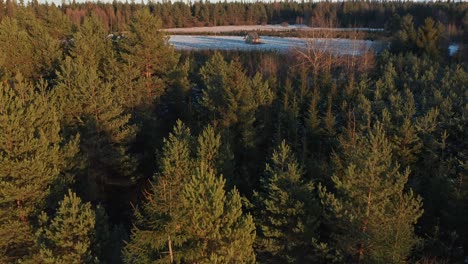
point(336, 46)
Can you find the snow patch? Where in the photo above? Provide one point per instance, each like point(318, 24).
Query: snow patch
point(453, 49)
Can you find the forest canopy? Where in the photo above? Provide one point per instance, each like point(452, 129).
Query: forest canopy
point(117, 148)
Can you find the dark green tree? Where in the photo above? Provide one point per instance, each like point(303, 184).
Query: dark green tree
point(373, 214)
point(429, 37)
point(16, 53)
point(146, 49)
point(157, 233)
point(187, 217)
point(217, 230)
point(92, 45)
point(231, 101)
point(287, 211)
point(404, 39)
point(87, 105)
point(34, 161)
point(69, 236)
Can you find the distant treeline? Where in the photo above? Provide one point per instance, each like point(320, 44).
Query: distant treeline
point(116, 15)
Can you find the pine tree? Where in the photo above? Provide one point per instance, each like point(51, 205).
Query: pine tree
point(27, 47)
point(57, 23)
point(373, 214)
point(177, 98)
point(46, 50)
point(312, 121)
point(92, 45)
point(69, 236)
point(231, 97)
point(87, 105)
point(289, 126)
point(214, 153)
point(16, 53)
point(429, 37)
point(157, 231)
point(217, 230)
point(34, 161)
point(405, 38)
point(146, 49)
point(167, 227)
point(231, 101)
point(287, 211)
point(149, 67)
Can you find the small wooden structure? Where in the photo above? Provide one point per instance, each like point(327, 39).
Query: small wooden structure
point(252, 38)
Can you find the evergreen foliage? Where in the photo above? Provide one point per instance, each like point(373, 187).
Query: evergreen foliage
point(218, 232)
point(429, 37)
point(405, 38)
point(187, 216)
point(146, 49)
point(87, 106)
point(159, 222)
point(287, 211)
point(34, 161)
point(373, 213)
point(231, 101)
point(374, 170)
point(68, 237)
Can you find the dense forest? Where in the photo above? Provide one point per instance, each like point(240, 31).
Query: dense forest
point(117, 148)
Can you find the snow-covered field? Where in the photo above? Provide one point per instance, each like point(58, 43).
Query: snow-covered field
point(336, 46)
point(220, 29)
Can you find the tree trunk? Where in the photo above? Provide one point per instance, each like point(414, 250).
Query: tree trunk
point(169, 243)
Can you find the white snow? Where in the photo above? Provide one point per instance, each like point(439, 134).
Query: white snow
point(297, 27)
point(453, 49)
point(335, 46)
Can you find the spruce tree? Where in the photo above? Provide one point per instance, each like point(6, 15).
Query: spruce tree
point(373, 214)
point(34, 161)
point(215, 153)
point(287, 212)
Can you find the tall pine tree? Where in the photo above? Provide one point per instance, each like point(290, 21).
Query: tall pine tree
point(217, 230)
point(157, 233)
point(34, 160)
point(70, 235)
point(88, 106)
point(373, 214)
point(187, 217)
point(287, 211)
